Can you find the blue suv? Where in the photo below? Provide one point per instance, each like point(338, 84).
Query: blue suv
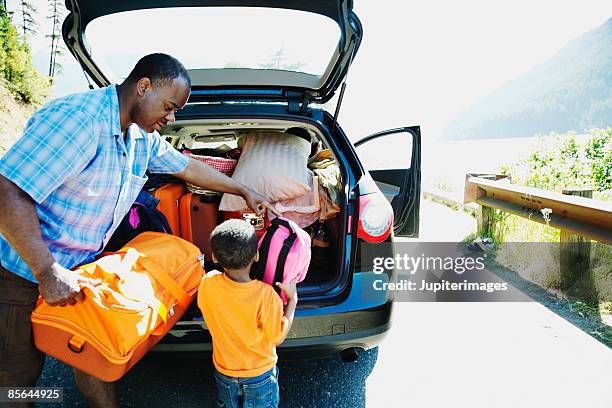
point(309, 46)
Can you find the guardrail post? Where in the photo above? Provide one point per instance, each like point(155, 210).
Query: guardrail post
point(575, 256)
point(485, 216)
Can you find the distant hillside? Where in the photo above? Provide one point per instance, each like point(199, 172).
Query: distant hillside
point(571, 91)
point(13, 116)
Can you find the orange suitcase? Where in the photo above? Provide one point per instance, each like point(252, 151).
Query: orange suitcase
point(146, 287)
point(199, 216)
point(168, 196)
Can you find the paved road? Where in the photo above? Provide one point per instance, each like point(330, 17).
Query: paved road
point(483, 355)
point(186, 381)
point(476, 355)
point(488, 355)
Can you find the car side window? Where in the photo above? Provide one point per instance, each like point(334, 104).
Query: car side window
point(387, 152)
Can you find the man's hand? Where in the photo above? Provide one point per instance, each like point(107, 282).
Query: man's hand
point(258, 203)
point(61, 286)
point(290, 290)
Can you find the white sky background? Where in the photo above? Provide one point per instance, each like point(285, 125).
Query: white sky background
point(423, 62)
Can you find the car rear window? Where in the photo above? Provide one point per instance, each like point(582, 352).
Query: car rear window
point(214, 37)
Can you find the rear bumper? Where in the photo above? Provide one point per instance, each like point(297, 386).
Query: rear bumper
point(310, 336)
point(324, 346)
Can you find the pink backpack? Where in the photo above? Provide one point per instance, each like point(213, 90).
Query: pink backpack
point(284, 254)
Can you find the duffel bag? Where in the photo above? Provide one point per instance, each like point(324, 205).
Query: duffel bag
point(145, 288)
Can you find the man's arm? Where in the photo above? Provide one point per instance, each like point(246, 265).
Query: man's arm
point(205, 176)
point(20, 226)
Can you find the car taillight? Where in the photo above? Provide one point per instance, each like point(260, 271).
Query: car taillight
point(375, 217)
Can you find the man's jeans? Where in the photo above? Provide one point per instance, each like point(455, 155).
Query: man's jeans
point(253, 392)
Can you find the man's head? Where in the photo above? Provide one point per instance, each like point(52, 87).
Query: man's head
point(158, 86)
point(234, 244)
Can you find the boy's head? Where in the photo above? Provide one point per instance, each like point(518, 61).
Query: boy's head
point(234, 244)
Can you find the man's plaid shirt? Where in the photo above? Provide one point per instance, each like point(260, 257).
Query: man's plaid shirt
point(82, 175)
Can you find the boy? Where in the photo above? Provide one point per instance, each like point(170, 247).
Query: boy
point(245, 319)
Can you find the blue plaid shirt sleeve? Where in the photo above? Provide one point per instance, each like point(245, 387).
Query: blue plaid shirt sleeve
point(165, 158)
point(57, 143)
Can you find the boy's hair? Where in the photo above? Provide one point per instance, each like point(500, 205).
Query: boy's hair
point(160, 68)
point(234, 244)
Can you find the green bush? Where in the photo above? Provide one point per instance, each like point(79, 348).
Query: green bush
point(560, 162)
point(16, 68)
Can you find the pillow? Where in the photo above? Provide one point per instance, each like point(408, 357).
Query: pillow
point(272, 163)
point(303, 210)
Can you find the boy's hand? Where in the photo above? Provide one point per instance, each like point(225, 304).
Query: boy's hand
point(290, 289)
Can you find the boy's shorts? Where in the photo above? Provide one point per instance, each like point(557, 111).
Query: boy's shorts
point(17, 300)
point(261, 391)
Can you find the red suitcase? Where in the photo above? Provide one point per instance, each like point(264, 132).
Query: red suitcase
point(199, 215)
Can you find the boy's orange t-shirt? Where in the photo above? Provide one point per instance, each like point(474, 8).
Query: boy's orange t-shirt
point(246, 322)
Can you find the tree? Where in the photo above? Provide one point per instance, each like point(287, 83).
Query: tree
point(17, 72)
point(28, 24)
point(57, 50)
point(4, 10)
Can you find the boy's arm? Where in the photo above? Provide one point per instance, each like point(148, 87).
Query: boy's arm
point(292, 299)
point(289, 312)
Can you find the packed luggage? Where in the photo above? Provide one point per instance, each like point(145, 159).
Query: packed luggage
point(291, 168)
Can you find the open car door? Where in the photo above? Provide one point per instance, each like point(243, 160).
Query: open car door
point(393, 159)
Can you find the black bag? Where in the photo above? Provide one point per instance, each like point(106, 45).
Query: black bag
point(143, 216)
point(156, 180)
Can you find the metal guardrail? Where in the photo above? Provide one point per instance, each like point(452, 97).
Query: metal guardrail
point(582, 216)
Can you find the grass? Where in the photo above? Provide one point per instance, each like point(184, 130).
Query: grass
point(533, 251)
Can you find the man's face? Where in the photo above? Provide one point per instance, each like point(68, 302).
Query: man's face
point(158, 102)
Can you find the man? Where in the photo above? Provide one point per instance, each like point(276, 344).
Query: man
point(66, 185)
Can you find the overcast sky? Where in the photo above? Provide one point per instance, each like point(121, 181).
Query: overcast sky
point(423, 62)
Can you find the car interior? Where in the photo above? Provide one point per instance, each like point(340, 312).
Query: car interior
point(214, 141)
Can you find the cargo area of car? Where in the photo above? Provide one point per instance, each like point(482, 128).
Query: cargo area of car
point(214, 142)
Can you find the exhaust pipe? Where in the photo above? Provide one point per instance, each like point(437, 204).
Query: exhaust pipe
point(349, 355)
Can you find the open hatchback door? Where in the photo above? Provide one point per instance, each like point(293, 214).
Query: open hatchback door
point(234, 50)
